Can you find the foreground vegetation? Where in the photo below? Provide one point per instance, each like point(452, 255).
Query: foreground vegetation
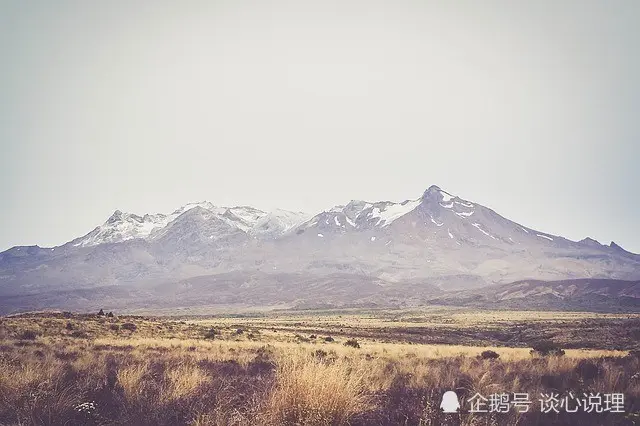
point(302, 370)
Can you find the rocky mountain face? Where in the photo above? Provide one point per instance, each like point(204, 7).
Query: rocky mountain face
point(367, 253)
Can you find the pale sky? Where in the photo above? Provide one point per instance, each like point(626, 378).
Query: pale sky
point(143, 106)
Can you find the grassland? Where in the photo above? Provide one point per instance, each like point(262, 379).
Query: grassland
point(309, 367)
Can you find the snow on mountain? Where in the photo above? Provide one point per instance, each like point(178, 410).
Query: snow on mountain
point(387, 214)
point(122, 227)
point(277, 222)
point(438, 238)
point(127, 226)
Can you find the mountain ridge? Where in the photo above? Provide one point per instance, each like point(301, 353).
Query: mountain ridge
point(437, 241)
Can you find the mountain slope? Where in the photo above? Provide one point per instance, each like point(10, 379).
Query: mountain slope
point(580, 294)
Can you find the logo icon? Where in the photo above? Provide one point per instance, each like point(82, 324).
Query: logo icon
point(450, 403)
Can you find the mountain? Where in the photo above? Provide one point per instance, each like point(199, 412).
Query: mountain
point(371, 253)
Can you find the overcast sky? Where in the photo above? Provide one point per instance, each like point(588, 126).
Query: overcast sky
point(531, 110)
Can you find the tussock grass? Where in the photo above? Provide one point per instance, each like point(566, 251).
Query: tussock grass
point(310, 392)
point(131, 379)
point(182, 381)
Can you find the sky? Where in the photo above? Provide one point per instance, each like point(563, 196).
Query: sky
point(529, 109)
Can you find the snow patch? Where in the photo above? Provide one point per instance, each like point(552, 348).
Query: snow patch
point(477, 225)
point(434, 221)
point(373, 238)
point(544, 236)
point(464, 214)
point(450, 234)
point(450, 205)
point(320, 235)
point(350, 222)
point(524, 230)
point(462, 203)
point(446, 197)
point(394, 211)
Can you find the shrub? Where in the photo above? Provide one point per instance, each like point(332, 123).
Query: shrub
point(27, 335)
point(353, 343)
point(320, 354)
point(110, 314)
point(129, 326)
point(101, 313)
point(79, 334)
point(546, 349)
point(489, 355)
point(587, 369)
point(210, 334)
point(328, 339)
point(239, 331)
point(114, 327)
point(69, 326)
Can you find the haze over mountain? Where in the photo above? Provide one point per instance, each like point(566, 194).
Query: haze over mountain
point(353, 254)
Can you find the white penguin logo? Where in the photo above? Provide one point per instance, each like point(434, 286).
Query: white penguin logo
point(450, 402)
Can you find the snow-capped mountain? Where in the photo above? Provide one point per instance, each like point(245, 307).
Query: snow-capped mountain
point(360, 252)
point(127, 226)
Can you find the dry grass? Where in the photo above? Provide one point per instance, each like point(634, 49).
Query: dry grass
point(131, 379)
point(182, 381)
point(167, 373)
point(311, 392)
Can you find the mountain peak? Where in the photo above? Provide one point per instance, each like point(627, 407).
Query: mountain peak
point(590, 241)
point(435, 193)
point(115, 217)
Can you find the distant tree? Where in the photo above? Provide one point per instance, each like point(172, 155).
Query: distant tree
point(110, 314)
point(101, 313)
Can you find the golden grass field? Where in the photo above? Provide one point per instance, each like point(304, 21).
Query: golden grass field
point(295, 368)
